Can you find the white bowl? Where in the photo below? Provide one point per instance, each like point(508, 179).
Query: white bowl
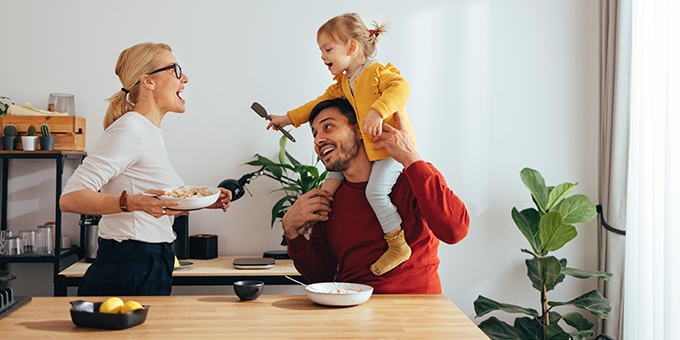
point(192, 203)
point(338, 293)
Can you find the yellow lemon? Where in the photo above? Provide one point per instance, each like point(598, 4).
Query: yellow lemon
point(130, 306)
point(111, 305)
point(176, 262)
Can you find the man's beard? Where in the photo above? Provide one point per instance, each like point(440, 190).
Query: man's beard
point(349, 149)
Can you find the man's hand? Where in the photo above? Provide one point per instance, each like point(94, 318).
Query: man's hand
point(303, 210)
point(397, 142)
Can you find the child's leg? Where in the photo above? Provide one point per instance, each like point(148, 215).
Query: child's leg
point(383, 176)
point(331, 183)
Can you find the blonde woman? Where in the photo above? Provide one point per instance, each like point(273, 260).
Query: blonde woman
point(134, 255)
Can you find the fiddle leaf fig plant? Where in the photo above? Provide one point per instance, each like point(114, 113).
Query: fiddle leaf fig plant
point(547, 228)
point(295, 178)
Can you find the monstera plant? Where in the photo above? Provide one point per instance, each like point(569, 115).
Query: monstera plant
point(548, 227)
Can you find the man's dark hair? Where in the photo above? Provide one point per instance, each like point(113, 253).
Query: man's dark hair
point(341, 104)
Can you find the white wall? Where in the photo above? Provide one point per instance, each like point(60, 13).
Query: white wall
point(496, 86)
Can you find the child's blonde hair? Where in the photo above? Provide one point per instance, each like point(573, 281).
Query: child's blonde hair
point(132, 64)
point(348, 26)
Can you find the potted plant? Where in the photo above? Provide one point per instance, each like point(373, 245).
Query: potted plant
point(295, 178)
point(29, 141)
point(46, 139)
point(9, 137)
point(548, 227)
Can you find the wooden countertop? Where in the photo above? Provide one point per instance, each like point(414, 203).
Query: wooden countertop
point(220, 266)
point(269, 317)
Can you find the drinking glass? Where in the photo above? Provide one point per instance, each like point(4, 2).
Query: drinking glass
point(4, 234)
point(13, 245)
point(27, 241)
point(62, 102)
point(44, 240)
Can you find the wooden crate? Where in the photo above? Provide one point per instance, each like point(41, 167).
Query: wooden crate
point(68, 130)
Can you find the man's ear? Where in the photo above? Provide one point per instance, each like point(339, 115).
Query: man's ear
point(357, 130)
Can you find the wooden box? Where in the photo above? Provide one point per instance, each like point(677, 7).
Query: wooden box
point(68, 130)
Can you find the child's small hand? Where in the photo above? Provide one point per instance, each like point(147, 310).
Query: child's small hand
point(281, 121)
point(373, 123)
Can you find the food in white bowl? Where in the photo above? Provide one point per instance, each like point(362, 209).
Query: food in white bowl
point(339, 293)
point(191, 197)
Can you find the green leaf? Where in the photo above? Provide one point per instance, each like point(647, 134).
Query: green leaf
point(576, 209)
point(553, 232)
point(282, 149)
point(528, 328)
point(577, 321)
point(554, 332)
point(592, 301)
point(484, 305)
point(527, 222)
point(558, 193)
point(498, 330)
point(582, 335)
point(278, 207)
point(584, 274)
point(533, 180)
point(544, 271)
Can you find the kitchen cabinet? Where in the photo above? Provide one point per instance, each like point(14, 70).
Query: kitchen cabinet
point(60, 258)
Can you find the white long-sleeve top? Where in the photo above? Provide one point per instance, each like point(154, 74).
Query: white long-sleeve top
point(130, 155)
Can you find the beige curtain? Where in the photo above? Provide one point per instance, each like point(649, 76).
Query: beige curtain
point(613, 156)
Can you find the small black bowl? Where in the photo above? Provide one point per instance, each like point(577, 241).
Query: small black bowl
point(248, 290)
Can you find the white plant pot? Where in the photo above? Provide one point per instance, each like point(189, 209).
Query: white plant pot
point(29, 142)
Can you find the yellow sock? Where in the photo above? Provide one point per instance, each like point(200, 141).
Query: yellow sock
point(398, 251)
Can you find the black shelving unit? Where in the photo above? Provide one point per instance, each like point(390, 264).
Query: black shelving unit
point(61, 258)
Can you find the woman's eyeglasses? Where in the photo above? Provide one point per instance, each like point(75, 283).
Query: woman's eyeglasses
point(176, 67)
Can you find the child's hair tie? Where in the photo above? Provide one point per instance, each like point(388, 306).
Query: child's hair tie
point(371, 32)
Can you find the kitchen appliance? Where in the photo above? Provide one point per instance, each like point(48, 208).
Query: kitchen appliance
point(203, 246)
point(181, 244)
point(89, 236)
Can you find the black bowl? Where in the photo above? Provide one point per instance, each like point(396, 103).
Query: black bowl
point(86, 314)
point(248, 290)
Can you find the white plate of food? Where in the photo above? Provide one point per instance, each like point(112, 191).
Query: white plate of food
point(191, 197)
point(339, 293)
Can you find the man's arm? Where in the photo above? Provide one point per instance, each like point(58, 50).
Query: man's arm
point(444, 212)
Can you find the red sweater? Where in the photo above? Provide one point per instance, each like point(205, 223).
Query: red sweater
point(344, 247)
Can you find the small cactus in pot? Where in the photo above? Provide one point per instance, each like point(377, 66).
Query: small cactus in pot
point(29, 141)
point(46, 140)
point(9, 137)
point(45, 130)
point(10, 130)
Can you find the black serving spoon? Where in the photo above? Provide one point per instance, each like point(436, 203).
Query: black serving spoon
point(263, 113)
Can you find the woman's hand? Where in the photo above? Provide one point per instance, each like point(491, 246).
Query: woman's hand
point(223, 201)
point(149, 203)
point(303, 211)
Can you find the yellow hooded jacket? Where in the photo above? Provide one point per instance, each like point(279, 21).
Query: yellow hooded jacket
point(377, 87)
